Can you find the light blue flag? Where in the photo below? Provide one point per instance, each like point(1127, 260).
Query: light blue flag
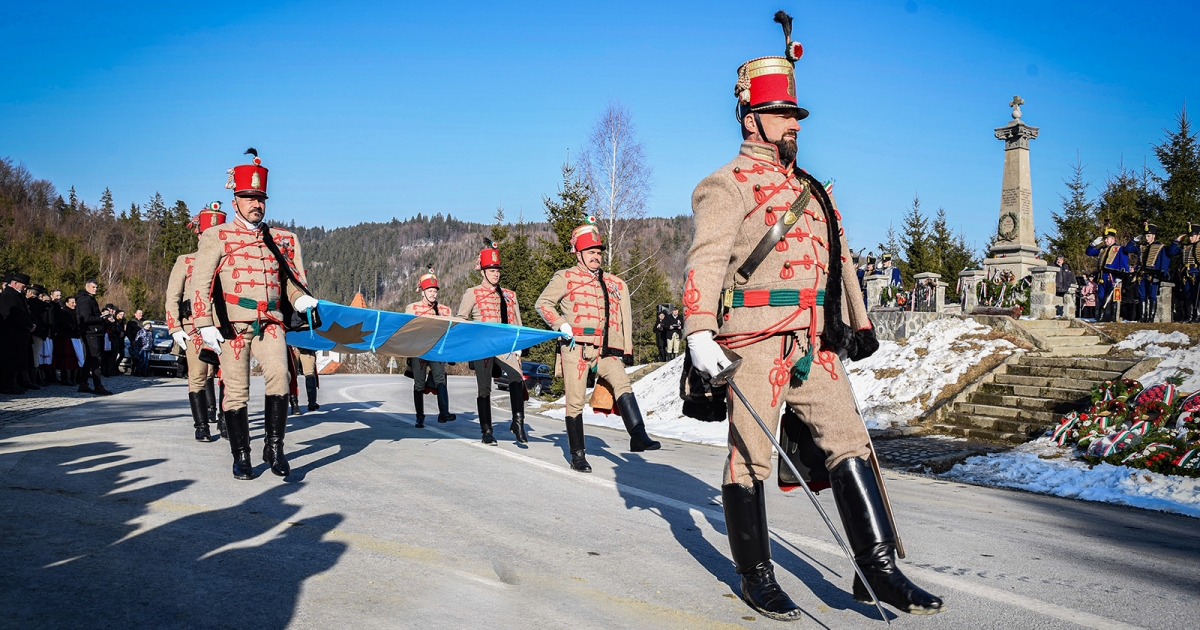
point(350, 330)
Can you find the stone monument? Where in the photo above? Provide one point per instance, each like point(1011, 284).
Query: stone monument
point(1015, 248)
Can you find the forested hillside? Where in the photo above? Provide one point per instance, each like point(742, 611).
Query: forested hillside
point(61, 243)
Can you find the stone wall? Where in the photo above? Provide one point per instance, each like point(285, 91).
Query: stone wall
point(892, 325)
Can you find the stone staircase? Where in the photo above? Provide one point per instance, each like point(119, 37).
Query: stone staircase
point(1031, 392)
point(1020, 400)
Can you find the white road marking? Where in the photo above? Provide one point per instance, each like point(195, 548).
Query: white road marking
point(1085, 619)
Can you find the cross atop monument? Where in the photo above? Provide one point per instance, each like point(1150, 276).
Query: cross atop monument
point(1016, 104)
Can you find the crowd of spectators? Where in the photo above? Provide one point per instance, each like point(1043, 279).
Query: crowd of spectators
point(46, 339)
point(668, 332)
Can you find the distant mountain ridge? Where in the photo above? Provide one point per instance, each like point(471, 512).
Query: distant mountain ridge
point(384, 260)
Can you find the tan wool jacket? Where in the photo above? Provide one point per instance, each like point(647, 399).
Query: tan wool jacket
point(179, 288)
point(576, 292)
point(481, 304)
point(733, 209)
point(234, 255)
point(421, 308)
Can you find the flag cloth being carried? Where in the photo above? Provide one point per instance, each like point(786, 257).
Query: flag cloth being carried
point(351, 330)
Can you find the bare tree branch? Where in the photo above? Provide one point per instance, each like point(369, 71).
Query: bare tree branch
point(613, 164)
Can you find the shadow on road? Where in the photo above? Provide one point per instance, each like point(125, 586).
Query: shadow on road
point(82, 547)
point(637, 471)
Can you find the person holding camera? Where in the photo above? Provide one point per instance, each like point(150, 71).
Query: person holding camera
point(592, 308)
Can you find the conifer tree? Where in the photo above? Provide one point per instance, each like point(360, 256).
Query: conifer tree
point(1075, 225)
point(176, 238)
point(648, 287)
point(916, 243)
point(106, 204)
point(1179, 156)
point(1125, 202)
point(891, 244)
point(73, 200)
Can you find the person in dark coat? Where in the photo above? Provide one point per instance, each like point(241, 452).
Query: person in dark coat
point(132, 328)
point(660, 335)
point(93, 327)
point(1063, 280)
point(41, 331)
point(120, 340)
point(16, 351)
point(110, 351)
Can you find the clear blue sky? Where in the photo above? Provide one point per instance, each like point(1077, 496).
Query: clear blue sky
point(368, 111)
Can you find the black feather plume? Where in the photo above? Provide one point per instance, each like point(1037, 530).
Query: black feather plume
point(785, 20)
point(251, 151)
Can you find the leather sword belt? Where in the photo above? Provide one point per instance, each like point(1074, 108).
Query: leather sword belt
point(253, 305)
point(804, 298)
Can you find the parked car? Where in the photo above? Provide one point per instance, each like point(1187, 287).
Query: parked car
point(161, 358)
point(538, 377)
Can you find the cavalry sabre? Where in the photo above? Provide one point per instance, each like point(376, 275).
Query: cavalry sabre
point(726, 376)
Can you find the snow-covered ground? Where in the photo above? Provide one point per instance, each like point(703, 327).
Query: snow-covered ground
point(1181, 357)
point(658, 397)
point(1045, 468)
point(899, 382)
point(893, 386)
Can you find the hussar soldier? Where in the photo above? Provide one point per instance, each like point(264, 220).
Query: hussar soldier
point(429, 377)
point(247, 278)
point(487, 302)
point(1189, 273)
point(1151, 266)
point(591, 308)
point(1112, 268)
point(769, 276)
point(201, 375)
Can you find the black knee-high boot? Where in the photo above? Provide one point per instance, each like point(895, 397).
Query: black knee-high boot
point(575, 444)
point(516, 399)
point(222, 428)
point(639, 440)
point(310, 388)
point(419, 406)
point(443, 399)
point(210, 392)
point(275, 425)
point(750, 545)
point(869, 532)
point(199, 402)
point(484, 405)
point(237, 421)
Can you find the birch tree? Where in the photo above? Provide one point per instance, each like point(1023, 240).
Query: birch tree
point(614, 167)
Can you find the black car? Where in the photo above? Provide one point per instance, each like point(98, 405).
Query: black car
point(538, 377)
point(161, 358)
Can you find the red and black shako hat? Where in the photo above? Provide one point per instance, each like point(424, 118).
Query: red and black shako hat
point(768, 84)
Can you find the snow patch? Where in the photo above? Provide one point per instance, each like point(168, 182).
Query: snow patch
point(1026, 468)
point(658, 397)
point(1181, 361)
point(897, 383)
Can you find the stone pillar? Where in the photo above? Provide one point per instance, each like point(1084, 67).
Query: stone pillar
point(875, 286)
point(922, 280)
point(1015, 248)
point(1165, 312)
point(1069, 302)
point(969, 280)
point(1041, 294)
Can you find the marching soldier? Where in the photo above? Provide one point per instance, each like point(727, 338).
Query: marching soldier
point(1152, 266)
point(487, 302)
point(592, 308)
point(429, 377)
point(247, 275)
point(1189, 274)
point(1112, 267)
point(891, 271)
point(201, 375)
point(768, 276)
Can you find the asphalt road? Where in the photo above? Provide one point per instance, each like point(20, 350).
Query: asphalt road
point(112, 516)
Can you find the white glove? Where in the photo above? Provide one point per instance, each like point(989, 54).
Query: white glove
point(180, 338)
point(567, 330)
point(1137, 239)
point(305, 302)
point(707, 356)
point(1096, 243)
point(212, 338)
